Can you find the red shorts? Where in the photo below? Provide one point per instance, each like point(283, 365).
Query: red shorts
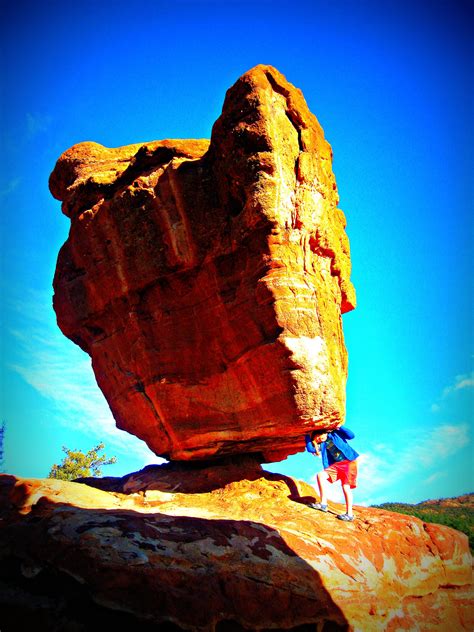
point(344, 471)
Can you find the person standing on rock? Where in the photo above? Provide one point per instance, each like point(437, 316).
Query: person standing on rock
point(339, 462)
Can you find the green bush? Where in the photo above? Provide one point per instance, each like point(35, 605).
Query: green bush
point(77, 464)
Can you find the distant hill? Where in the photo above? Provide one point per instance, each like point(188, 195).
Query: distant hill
point(457, 512)
point(466, 501)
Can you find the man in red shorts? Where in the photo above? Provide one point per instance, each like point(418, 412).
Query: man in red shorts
point(339, 462)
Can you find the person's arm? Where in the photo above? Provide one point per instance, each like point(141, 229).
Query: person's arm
point(310, 445)
point(345, 433)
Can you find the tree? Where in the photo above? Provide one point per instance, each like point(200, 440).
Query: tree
point(2, 443)
point(77, 464)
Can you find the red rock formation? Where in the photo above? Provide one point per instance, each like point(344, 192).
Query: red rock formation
point(228, 547)
point(207, 281)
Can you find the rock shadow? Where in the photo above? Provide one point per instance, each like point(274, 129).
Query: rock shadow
point(68, 568)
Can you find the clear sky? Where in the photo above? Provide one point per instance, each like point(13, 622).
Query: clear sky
point(390, 84)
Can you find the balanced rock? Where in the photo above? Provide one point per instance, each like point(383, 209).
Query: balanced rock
point(207, 280)
point(228, 548)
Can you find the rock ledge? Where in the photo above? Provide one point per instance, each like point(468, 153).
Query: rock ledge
point(230, 547)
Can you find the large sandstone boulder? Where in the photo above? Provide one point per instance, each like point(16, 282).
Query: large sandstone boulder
point(227, 548)
point(207, 280)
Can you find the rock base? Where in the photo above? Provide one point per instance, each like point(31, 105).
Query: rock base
point(228, 547)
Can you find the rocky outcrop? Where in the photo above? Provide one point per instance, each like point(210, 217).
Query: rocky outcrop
point(207, 280)
point(228, 547)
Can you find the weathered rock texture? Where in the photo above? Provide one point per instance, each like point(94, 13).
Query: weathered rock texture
point(207, 281)
point(224, 548)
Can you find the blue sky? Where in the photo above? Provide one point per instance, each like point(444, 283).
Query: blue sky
point(390, 84)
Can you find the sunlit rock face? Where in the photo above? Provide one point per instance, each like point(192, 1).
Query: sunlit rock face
point(223, 548)
point(207, 279)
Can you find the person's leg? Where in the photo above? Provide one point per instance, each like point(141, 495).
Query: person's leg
point(322, 478)
point(346, 488)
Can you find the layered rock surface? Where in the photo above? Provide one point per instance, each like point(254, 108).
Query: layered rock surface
point(228, 547)
point(207, 280)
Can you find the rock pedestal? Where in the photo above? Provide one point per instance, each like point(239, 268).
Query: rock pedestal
point(227, 548)
point(207, 280)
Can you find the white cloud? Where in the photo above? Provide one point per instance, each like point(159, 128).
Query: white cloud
point(376, 473)
point(37, 123)
point(10, 187)
point(461, 383)
point(383, 471)
point(62, 373)
point(466, 382)
point(435, 477)
point(442, 442)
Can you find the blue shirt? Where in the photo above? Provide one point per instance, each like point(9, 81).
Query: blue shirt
point(337, 448)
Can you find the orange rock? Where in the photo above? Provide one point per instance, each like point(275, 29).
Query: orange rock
point(207, 281)
point(230, 546)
